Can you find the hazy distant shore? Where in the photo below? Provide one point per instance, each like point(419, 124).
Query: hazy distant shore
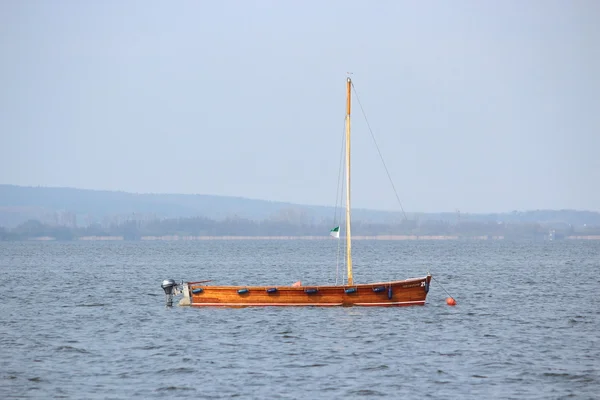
point(37, 213)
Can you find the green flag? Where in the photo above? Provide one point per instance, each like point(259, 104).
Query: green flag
point(335, 232)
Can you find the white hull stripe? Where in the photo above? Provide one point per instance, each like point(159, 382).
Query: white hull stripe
point(395, 303)
point(268, 304)
point(391, 303)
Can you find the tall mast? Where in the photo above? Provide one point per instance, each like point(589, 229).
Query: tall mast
point(348, 240)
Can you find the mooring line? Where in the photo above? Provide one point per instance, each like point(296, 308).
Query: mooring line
point(439, 283)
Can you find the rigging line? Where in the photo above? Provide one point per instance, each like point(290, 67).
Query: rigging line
point(342, 215)
point(379, 151)
point(339, 176)
point(335, 212)
point(337, 264)
point(345, 260)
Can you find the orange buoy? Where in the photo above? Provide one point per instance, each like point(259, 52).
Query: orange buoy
point(450, 301)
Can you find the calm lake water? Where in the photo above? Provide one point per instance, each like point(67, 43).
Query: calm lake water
point(88, 321)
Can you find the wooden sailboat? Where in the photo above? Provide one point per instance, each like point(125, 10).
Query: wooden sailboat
point(394, 293)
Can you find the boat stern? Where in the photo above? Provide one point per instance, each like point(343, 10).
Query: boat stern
point(186, 299)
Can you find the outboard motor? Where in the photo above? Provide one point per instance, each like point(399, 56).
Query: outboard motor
point(170, 287)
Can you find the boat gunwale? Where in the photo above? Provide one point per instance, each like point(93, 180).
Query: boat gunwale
point(303, 287)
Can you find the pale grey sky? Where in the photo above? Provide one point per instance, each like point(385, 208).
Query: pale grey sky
point(480, 106)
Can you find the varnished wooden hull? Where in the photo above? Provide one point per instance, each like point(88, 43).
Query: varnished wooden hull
point(397, 293)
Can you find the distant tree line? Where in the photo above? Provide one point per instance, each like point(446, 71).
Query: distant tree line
point(200, 226)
